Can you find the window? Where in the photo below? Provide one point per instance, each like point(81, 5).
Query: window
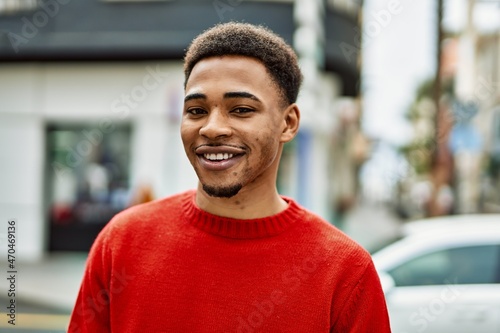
point(88, 182)
point(464, 265)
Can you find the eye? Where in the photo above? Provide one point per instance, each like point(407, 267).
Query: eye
point(242, 110)
point(196, 111)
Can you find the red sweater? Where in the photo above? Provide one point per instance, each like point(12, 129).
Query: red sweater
point(168, 266)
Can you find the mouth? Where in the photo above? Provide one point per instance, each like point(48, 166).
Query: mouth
point(219, 158)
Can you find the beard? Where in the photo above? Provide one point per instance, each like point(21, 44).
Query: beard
point(222, 192)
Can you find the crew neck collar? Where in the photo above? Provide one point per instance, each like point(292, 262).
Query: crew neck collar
point(240, 228)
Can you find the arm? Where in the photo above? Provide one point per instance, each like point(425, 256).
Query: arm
point(365, 310)
point(91, 311)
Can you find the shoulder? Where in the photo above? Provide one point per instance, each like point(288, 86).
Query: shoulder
point(343, 262)
point(160, 208)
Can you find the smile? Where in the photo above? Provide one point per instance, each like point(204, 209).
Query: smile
point(218, 157)
point(219, 162)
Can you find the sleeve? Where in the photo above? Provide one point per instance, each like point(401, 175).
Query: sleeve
point(365, 310)
point(91, 311)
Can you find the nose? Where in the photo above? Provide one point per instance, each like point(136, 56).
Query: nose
point(215, 126)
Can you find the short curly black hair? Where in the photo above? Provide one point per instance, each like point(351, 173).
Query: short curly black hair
point(249, 40)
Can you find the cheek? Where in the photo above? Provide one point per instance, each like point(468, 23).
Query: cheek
point(269, 144)
point(188, 141)
point(187, 132)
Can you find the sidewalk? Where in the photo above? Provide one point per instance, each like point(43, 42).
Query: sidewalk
point(45, 293)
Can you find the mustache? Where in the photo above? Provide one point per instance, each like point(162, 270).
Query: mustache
point(219, 144)
point(209, 147)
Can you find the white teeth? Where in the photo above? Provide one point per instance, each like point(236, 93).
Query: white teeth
point(218, 157)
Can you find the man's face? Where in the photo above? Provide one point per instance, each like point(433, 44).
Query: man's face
point(232, 125)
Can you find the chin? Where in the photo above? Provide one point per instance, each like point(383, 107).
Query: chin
point(222, 191)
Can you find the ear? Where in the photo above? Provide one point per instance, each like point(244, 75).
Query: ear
point(291, 120)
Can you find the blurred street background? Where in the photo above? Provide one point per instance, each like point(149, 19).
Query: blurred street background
point(400, 121)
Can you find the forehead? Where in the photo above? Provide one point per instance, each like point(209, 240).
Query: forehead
point(232, 70)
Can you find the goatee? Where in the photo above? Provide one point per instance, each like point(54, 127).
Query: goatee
point(222, 192)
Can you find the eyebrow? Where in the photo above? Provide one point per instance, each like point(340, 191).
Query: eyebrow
point(194, 96)
point(241, 94)
point(231, 94)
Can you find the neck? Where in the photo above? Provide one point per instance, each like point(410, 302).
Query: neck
point(244, 205)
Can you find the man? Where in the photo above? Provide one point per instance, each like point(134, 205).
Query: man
point(234, 255)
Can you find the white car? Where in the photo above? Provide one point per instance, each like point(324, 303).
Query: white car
point(443, 275)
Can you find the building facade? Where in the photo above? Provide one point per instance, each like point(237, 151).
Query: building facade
point(90, 105)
